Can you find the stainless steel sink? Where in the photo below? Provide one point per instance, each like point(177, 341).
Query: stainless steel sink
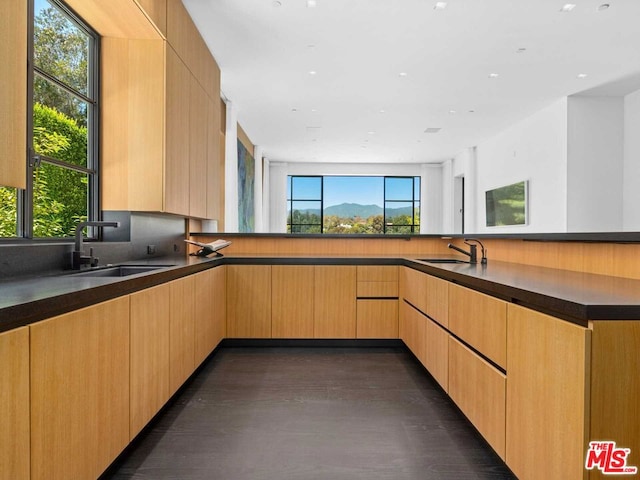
point(120, 270)
point(441, 260)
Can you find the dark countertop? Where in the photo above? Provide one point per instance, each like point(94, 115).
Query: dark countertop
point(573, 296)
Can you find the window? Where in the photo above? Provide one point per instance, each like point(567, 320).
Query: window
point(353, 205)
point(62, 174)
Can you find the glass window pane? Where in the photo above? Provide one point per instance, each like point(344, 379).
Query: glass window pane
point(289, 188)
point(398, 213)
point(306, 213)
point(8, 212)
point(402, 230)
point(61, 49)
point(416, 188)
point(306, 188)
point(60, 199)
point(398, 188)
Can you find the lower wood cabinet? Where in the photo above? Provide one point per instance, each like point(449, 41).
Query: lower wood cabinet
point(547, 392)
point(292, 301)
point(334, 301)
point(412, 326)
point(436, 352)
point(249, 301)
point(79, 391)
point(377, 318)
point(181, 331)
point(210, 311)
point(479, 389)
point(14, 404)
point(150, 330)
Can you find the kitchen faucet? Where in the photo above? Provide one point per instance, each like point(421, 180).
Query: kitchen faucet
point(78, 258)
point(473, 253)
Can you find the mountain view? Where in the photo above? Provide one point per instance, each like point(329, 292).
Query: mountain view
point(353, 218)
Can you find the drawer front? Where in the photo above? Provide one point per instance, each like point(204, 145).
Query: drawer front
point(480, 391)
point(377, 289)
point(371, 273)
point(479, 320)
point(428, 294)
point(437, 353)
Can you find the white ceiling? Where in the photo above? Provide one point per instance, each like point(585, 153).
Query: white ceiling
point(359, 47)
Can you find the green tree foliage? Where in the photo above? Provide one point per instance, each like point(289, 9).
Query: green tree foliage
point(61, 50)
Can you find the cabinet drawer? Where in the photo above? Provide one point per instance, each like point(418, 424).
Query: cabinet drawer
point(479, 320)
point(480, 392)
point(371, 273)
point(436, 355)
point(377, 289)
point(377, 319)
point(428, 294)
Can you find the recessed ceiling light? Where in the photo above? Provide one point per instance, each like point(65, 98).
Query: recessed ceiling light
point(452, 112)
point(382, 110)
point(494, 75)
point(472, 111)
point(311, 3)
point(314, 110)
point(582, 75)
point(312, 72)
point(567, 7)
point(440, 6)
point(521, 50)
point(311, 45)
point(402, 74)
point(604, 6)
point(294, 109)
point(371, 132)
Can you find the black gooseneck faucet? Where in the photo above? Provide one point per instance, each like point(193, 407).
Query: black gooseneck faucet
point(473, 250)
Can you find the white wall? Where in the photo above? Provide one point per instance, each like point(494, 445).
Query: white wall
point(534, 149)
point(431, 199)
point(631, 169)
point(278, 172)
point(595, 159)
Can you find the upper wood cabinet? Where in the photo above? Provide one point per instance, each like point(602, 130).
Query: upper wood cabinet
point(14, 402)
point(79, 391)
point(156, 10)
point(13, 97)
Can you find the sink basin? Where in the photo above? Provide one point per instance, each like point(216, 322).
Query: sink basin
point(120, 270)
point(441, 260)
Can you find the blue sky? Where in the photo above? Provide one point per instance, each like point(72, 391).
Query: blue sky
point(342, 189)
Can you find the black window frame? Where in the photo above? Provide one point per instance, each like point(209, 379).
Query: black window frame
point(25, 207)
point(414, 226)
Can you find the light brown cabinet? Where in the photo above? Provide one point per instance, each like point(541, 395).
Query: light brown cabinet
point(210, 311)
point(479, 320)
point(14, 403)
point(377, 305)
point(79, 391)
point(150, 320)
point(547, 392)
point(292, 301)
point(479, 389)
point(427, 293)
point(181, 331)
point(412, 327)
point(249, 301)
point(334, 301)
point(13, 97)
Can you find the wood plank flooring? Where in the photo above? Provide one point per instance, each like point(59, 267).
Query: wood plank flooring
point(310, 413)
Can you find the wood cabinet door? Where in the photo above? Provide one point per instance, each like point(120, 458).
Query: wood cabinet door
point(479, 389)
point(181, 331)
point(428, 294)
point(197, 161)
point(481, 321)
point(377, 318)
point(14, 404)
point(292, 301)
point(210, 311)
point(412, 327)
point(547, 388)
point(249, 301)
point(150, 321)
point(334, 302)
point(178, 136)
point(436, 352)
point(79, 391)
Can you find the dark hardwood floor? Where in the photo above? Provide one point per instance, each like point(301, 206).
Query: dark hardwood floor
point(310, 413)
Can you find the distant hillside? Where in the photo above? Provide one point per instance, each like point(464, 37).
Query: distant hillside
point(352, 210)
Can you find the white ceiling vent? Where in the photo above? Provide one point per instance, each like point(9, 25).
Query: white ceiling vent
point(433, 130)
